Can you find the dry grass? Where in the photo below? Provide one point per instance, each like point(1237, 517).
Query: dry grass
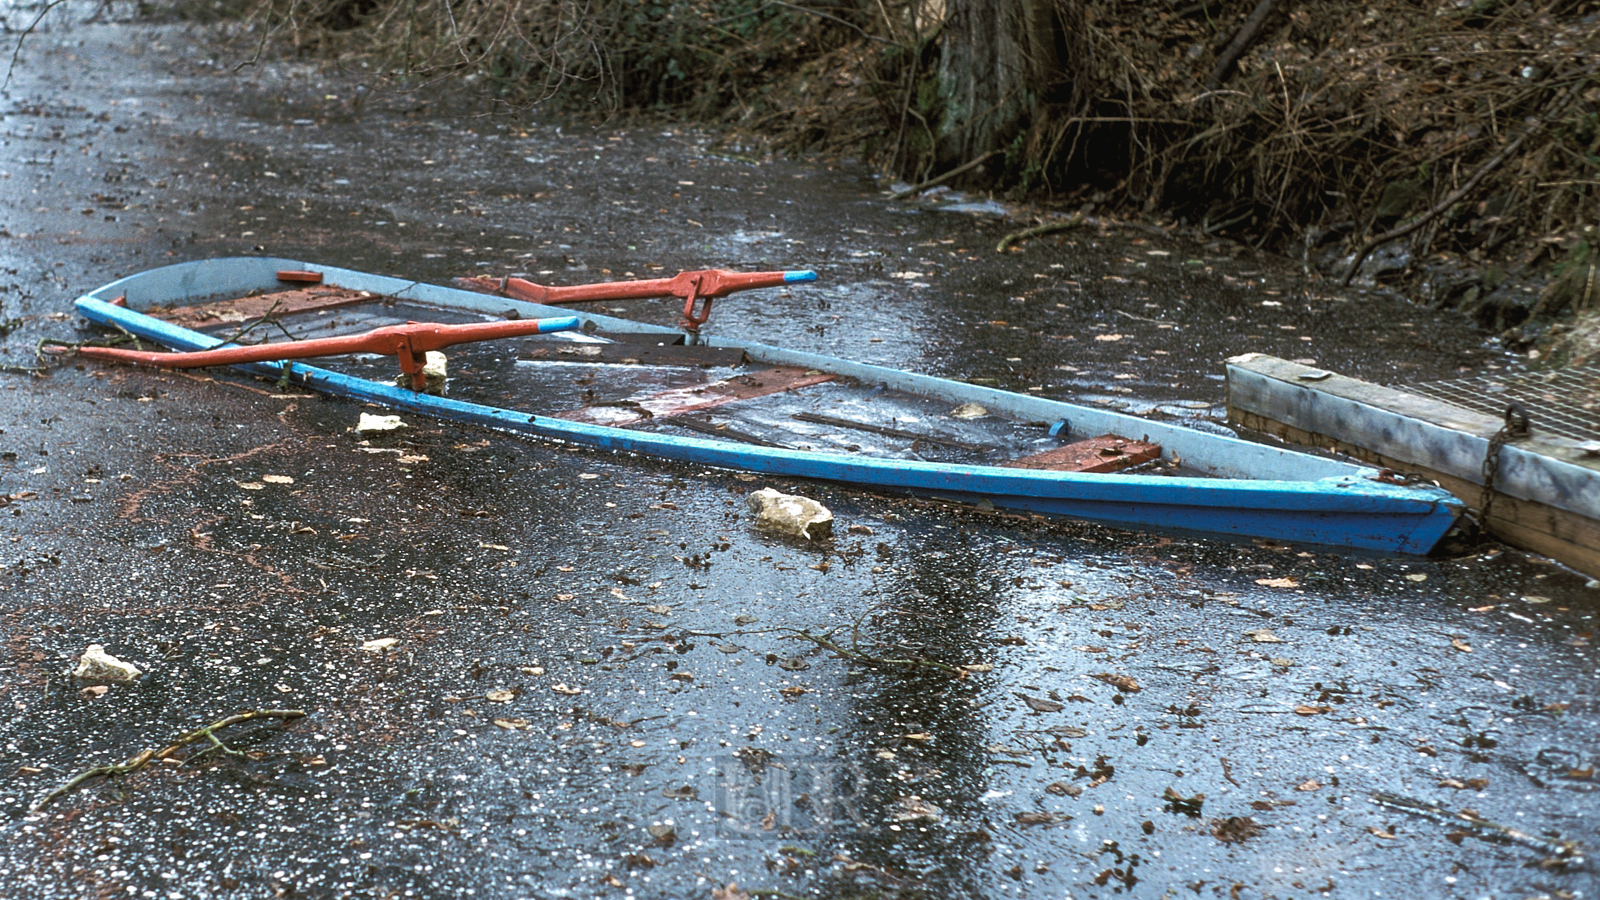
point(1340, 121)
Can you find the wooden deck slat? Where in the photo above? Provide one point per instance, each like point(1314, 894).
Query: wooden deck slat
point(905, 434)
point(635, 353)
point(277, 303)
point(1105, 453)
point(678, 401)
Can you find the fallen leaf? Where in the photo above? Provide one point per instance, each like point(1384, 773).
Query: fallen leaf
point(1264, 636)
point(1062, 789)
point(1305, 710)
point(277, 479)
point(1311, 785)
point(912, 808)
point(1418, 577)
point(513, 724)
point(1277, 582)
point(729, 892)
point(663, 834)
point(1108, 338)
point(500, 695)
point(1040, 818)
point(687, 792)
point(1122, 683)
point(1039, 704)
point(379, 645)
point(1375, 831)
point(1461, 645)
point(660, 610)
point(562, 688)
point(918, 736)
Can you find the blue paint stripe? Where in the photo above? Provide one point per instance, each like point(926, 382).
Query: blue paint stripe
point(799, 275)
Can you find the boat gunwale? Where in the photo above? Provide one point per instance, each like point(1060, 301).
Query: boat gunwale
point(1354, 491)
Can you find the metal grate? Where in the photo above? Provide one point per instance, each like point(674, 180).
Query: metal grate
point(1564, 403)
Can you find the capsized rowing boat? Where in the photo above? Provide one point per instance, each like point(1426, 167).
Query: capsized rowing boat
point(634, 387)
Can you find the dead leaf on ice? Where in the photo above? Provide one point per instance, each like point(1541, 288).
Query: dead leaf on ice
point(1277, 582)
point(1123, 683)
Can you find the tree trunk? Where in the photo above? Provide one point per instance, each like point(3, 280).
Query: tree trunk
point(1001, 63)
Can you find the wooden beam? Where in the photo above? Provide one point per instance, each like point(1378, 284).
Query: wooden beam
point(1548, 497)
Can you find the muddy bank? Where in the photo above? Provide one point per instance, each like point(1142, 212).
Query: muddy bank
point(529, 670)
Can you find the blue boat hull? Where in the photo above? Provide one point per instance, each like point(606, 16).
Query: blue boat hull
point(1334, 504)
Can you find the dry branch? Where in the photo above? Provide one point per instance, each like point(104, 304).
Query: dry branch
point(941, 179)
point(145, 757)
point(1489, 165)
point(1037, 230)
point(1247, 34)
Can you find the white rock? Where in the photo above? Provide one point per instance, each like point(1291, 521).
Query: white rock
point(97, 665)
point(969, 411)
point(787, 514)
point(435, 367)
point(370, 422)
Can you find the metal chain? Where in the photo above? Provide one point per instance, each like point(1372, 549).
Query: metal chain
point(1516, 428)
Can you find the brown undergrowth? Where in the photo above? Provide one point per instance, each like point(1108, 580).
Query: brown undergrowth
point(1460, 136)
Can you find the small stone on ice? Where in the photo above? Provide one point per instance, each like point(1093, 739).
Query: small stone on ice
point(799, 517)
point(435, 368)
point(370, 422)
point(97, 665)
point(969, 411)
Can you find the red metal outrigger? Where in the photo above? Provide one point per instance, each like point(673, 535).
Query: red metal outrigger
point(410, 342)
point(703, 285)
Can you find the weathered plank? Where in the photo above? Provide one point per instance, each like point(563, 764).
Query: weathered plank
point(678, 401)
point(1548, 493)
point(887, 431)
point(1105, 453)
point(637, 353)
point(247, 309)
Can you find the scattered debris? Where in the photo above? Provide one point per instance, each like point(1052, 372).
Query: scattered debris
point(912, 808)
point(799, 517)
point(968, 411)
point(96, 665)
point(1562, 852)
point(1235, 829)
point(1174, 802)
